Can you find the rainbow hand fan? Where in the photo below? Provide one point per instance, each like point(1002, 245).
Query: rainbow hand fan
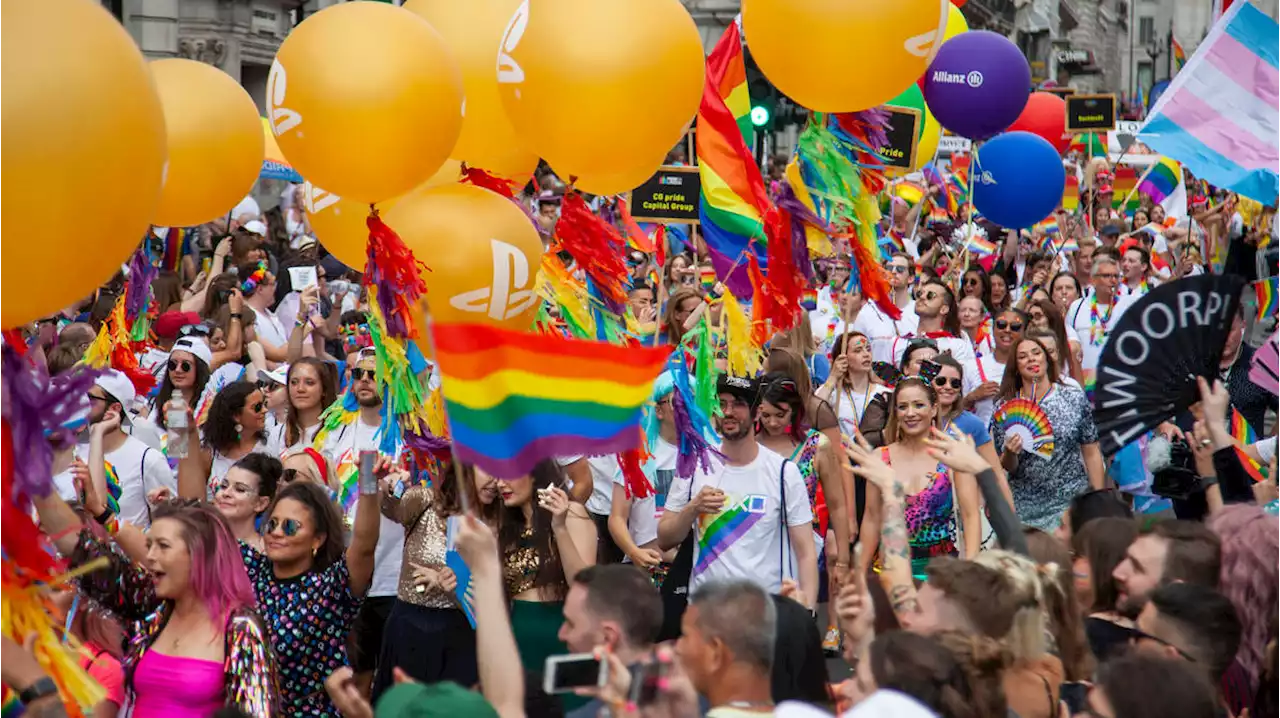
point(1025, 418)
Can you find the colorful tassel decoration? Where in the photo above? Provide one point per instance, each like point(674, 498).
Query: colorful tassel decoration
point(394, 272)
point(598, 249)
point(635, 483)
point(113, 347)
point(872, 280)
point(693, 427)
point(481, 178)
point(744, 356)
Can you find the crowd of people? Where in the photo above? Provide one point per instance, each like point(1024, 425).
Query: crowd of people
point(859, 500)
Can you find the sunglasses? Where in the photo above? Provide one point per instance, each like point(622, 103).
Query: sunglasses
point(199, 330)
point(174, 365)
point(362, 374)
point(942, 381)
point(1137, 636)
point(1002, 324)
point(95, 397)
point(972, 282)
point(259, 407)
point(288, 527)
point(267, 386)
point(899, 269)
point(928, 296)
point(288, 475)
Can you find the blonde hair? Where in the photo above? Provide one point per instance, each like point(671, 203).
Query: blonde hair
point(1029, 637)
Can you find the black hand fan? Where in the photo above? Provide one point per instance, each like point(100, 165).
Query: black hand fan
point(1148, 368)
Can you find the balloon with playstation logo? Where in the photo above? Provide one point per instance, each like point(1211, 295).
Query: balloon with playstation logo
point(977, 84)
point(1017, 180)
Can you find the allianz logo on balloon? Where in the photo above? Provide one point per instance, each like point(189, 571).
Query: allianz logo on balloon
point(509, 71)
point(985, 177)
point(504, 298)
point(972, 79)
point(283, 119)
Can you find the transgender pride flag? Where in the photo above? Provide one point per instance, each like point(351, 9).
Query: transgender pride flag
point(1220, 115)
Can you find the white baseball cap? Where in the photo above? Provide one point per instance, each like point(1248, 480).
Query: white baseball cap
point(196, 347)
point(255, 226)
point(118, 386)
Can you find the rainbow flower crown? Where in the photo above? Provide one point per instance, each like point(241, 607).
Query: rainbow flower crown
point(252, 281)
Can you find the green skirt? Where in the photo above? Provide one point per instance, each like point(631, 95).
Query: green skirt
point(536, 625)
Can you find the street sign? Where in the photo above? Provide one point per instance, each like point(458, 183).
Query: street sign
point(900, 151)
point(1091, 112)
point(670, 196)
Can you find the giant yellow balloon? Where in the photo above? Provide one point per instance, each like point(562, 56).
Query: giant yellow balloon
point(482, 251)
point(598, 89)
point(83, 147)
point(927, 146)
point(619, 182)
point(365, 100)
point(215, 142)
point(339, 224)
point(956, 23)
point(473, 30)
point(842, 56)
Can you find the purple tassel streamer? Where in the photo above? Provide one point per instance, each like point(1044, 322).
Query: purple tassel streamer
point(138, 293)
point(38, 408)
point(426, 441)
point(800, 216)
point(876, 122)
point(694, 451)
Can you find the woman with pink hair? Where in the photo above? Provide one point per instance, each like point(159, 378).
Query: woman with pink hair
point(196, 643)
point(1250, 554)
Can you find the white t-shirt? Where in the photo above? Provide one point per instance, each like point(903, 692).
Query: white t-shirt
point(1266, 449)
point(269, 329)
point(602, 470)
point(877, 325)
point(276, 435)
point(982, 368)
point(1080, 322)
point(642, 522)
point(342, 448)
point(746, 539)
point(891, 350)
point(850, 406)
point(139, 469)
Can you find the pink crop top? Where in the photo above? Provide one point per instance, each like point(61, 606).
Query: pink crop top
point(170, 687)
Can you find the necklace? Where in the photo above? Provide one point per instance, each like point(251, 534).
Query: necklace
point(1033, 394)
point(1098, 321)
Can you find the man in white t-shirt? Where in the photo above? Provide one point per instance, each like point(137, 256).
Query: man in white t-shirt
point(342, 447)
point(1091, 318)
point(750, 514)
point(132, 466)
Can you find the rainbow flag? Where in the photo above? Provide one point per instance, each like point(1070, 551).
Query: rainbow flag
point(979, 245)
point(1048, 225)
point(10, 706)
point(1244, 435)
point(1090, 142)
point(734, 198)
point(1179, 55)
point(707, 277)
point(1161, 180)
point(1266, 291)
point(1066, 244)
point(1071, 193)
point(1124, 184)
point(910, 192)
point(809, 299)
point(515, 399)
point(113, 488)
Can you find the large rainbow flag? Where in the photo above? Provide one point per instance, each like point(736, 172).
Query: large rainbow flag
point(514, 399)
point(734, 198)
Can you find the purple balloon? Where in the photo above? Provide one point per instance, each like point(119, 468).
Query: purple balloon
point(977, 84)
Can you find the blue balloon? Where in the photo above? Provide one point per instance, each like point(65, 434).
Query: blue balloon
point(1018, 179)
point(977, 84)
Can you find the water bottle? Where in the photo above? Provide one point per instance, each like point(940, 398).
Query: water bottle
point(176, 421)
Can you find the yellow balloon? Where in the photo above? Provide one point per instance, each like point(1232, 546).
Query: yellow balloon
point(482, 251)
point(619, 182)
point(473, 31)
point(83, 146)
point(928, 143)
point(215, 142)
point(365, 100)
point(841, 56)
point(600, 88)
point(339, 224)
point(956, 24)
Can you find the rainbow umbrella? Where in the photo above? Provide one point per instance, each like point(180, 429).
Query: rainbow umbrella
point(1090, 141)
point(274, 165)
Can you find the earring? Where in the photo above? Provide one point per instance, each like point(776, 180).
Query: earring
point(313, 553)
point(239, 429)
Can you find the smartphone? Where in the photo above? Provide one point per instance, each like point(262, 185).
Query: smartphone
point(647, 683)
point(1076, 696)
point(576, 670)
point(367, 481)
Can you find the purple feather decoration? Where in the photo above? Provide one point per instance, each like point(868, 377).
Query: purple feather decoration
point(608, 214)
point(38, 408)
point(138, 291)
point(800, 217)
point(876, 122)
point(694, 451)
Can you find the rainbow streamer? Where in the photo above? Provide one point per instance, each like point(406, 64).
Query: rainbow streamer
point(173, 240)
point(1266, 290)
point(1161, 180)
point(113, 488)
point(734, 200)
point(1027, 419)
point(1244, 435)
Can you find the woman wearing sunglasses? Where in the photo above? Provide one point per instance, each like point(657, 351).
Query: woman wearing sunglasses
point(977, 284)
point(235, 428)
point(784, 430)
point(195, 644)
point(984, 374)
point(942, 507)
point(186, 372)
point(309, 586)
point(1043, 487)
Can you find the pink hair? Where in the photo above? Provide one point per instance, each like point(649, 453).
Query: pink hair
point(218, 576)
point(1250, 553)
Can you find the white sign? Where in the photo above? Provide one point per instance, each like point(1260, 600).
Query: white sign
point(953, 144)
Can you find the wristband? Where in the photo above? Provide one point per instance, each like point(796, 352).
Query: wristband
point(236, 315)
point(44, 686)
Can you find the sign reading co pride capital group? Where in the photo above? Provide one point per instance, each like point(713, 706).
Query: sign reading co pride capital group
point(670, 196)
